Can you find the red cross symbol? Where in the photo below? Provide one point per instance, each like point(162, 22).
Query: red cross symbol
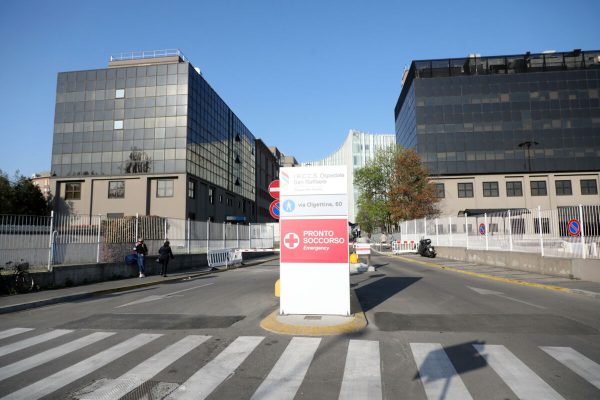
point(291, 240)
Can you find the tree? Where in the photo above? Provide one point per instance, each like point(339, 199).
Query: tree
point(394, 186)
point(374, 182)
point(21, 196)
point(412, 195)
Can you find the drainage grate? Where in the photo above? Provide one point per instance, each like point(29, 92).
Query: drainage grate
point(316, 317)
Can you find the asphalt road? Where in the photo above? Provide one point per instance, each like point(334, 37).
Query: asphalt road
point(432, 334)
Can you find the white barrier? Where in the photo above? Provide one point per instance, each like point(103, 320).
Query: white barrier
point(224, 258)
point(404, 247)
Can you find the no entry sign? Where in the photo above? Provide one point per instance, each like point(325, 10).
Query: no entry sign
point(274, 189)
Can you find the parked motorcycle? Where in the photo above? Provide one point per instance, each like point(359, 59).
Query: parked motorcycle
point(426, 249)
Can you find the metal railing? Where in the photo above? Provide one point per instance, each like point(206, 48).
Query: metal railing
point(571, 232)
point(71, 239)
point(137, 55)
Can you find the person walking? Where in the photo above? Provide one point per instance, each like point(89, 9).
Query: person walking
point(142, 250)
point(164, 255)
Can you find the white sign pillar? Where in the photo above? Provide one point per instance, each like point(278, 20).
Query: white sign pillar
point(315, 274)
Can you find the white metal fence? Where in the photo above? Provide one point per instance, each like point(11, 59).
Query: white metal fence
point(70, 239)
point(572, 232)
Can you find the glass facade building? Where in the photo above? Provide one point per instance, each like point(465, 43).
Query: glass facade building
point(503, 114)
point(152, 116)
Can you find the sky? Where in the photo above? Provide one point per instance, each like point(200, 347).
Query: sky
point(299, 74)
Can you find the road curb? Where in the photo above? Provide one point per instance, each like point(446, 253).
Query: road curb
point(505, 280)
point(84, 295)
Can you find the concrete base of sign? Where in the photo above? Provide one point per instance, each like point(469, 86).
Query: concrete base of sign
point(316, 325)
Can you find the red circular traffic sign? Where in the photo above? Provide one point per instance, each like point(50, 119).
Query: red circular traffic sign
point(274, 209)
point(274, 189)
point(574, 227)
point(482, 229)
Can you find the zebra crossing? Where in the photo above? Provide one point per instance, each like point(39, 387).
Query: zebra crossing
point(361, 379)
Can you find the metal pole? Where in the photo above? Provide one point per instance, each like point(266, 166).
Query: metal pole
point(467, 231)
point(224, 226)
point(50, 242)
point(189, 235)
point(583, 252)
point(450, 228)
point(250, 234)
point(237, 233)
point(437, 240)
point(540, 228)
point(98, 246)
point(165, 238)
point(137, 216)
point(510, 244)
point(487, 247)
point(207, 234)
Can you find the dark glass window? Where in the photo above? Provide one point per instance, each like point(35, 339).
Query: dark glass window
point(589, 186)
point(563, 188)
point(116, 189)
point(514, 189)
point(538, 188)
point(490, 189)
point(465, 190)
point(440, 193)
point(211, 195)
point(73, 191)
point(191, 189)
point(164, 188)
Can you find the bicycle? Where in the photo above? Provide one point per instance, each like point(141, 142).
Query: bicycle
point(20, 280)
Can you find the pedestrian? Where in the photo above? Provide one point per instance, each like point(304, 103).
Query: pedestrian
point(141, 250)
point(164, 255)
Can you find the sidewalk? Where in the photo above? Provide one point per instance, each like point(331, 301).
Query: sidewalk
point(42, 298)
point(556, 283)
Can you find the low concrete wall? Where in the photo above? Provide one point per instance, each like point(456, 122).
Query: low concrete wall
point(75, 275)
point(588, 270)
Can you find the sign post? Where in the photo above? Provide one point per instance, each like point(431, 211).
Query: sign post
point(315, 278)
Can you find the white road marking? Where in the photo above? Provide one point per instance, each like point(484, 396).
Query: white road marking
point(62, 378)
point(13, 332)
point(44, 337)
point(287, 375)
point(438, 375)
point(577, 362)
point(124, 384)
point(362, 373)
point(52, 354)
point(500, 294)
point(521, 380)
point(209, 377)
point(160, 297)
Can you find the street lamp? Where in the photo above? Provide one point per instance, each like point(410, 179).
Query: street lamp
point(528, 144)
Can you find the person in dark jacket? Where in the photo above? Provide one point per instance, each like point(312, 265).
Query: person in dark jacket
point(164, 255)
point(141, 249)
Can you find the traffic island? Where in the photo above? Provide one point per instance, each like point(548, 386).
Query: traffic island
point(317, 325)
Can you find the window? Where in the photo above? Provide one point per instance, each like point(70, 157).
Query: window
point(118, 124)
point(211, 195)
point(114, 215)
point(563, 188)
point(490, 189)
point(191, 189)
point(589, 186)
point(514, 189)
point(73, 191)
point(465, 190)
point(221, 198)
point(538, 188)
point(116, 189)
point(119, 93)
point(164, 188)
point(439, 191)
